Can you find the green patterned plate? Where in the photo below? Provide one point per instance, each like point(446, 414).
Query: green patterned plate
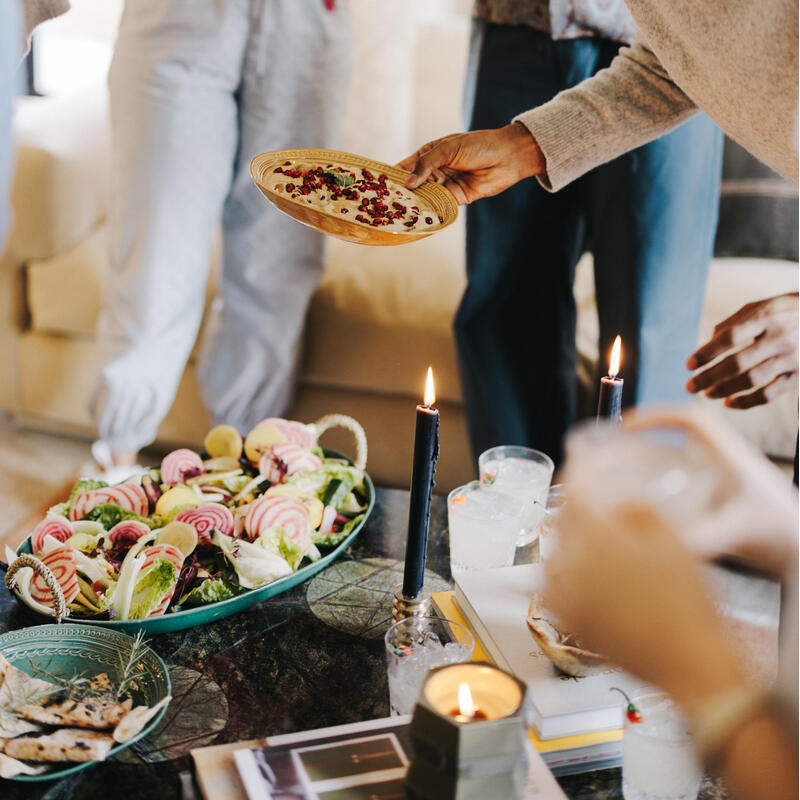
point(68, 650)
point(191, 617)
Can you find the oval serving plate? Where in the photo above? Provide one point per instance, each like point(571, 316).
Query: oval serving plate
point(191, 617)
point(432, 195)
point(68, 650)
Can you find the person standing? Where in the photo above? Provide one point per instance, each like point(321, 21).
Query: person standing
point(198, 89)
point(649, 217)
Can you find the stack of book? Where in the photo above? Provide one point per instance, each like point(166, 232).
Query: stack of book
point(576, 722)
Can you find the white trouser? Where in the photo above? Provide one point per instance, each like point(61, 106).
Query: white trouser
point(197, 89)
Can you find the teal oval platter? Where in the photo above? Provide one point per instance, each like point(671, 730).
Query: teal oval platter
point(191, 617)
point(69, 650)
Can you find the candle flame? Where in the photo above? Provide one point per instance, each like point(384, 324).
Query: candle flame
point(465, 705)
point(616, 357)
point(430, 394)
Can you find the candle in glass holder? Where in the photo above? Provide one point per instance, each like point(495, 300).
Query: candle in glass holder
point(609, 405)
point(466, 711)
point(473, 692)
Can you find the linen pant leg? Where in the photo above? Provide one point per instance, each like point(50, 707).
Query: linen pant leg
point(176, 67)
point(293, 92)
point(10, 51)
point(654, 217)
point(515, 326)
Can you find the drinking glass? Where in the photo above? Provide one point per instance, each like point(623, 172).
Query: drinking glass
point(663, 469)
point(413, 646)
point(484, 525)
point(548, 529)
point(658, 759)
point(524, 473)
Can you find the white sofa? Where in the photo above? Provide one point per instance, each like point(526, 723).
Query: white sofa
point(380, 316)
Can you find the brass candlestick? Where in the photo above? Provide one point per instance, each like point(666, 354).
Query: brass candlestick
point(404, 607)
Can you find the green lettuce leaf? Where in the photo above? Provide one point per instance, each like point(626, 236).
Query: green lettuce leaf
point(255, 566)
point(62, 509)
point(151, 586)
point(335, 537)
point(109, 515)
point(209, 591)
point(276, 540)
point(85, 485)
point(332, 482)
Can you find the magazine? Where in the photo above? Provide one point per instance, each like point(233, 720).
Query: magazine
point(362, 761)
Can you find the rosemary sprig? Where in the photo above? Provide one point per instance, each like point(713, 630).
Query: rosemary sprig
point(128, 665)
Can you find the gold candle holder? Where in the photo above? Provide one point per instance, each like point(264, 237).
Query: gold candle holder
point(404, 607)
point(474, 755)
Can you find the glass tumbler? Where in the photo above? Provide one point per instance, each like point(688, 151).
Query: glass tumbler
point(413, 646)
point(524, 473)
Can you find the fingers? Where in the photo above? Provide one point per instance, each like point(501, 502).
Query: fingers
point(431, 161)
point(760, 375)
point(735, 365)
point(726, 336)
point(764, 394)
point(409, 162)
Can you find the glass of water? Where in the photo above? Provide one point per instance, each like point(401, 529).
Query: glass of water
point(413, 646)
point(484, 524)
point(524, 473)
point(658, 759)
point(548, 529)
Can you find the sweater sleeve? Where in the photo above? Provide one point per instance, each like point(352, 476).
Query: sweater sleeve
point(620, 108)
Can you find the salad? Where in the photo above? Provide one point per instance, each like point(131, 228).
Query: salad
point(201, 528)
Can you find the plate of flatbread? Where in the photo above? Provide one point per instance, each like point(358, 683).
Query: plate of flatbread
point(73, 695)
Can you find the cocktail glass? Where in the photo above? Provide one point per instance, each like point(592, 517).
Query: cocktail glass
point(662, 469)
point(548, 529)
point(524, 473)
point(484, 525)
point(413, 646)
point(658, 759)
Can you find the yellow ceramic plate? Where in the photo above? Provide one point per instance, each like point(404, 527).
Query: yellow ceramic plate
point(435, 197)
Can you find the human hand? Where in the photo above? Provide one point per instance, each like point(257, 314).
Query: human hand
point(477, 164)
point(754, 518)
point(627, 588)
point(764, 367)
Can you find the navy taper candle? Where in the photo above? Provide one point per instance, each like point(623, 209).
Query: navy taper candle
point(609, 405)
point(426, 454)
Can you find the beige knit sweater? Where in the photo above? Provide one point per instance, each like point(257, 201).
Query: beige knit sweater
point(734, 59)
point(37, 11)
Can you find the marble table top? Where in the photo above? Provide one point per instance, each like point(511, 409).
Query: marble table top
point(309, 658)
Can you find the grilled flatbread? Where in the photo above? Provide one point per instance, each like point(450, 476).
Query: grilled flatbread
point(98, 713)
point(10, 767)
point(564, 650)
point(65, 744)
point(17, 688)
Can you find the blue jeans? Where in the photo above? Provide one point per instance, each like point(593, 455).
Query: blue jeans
point(649, 219)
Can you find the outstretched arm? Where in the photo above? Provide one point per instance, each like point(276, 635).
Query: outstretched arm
point(620, 108)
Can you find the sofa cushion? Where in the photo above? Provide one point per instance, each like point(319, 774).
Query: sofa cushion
point(379, 318)
point(63, 171)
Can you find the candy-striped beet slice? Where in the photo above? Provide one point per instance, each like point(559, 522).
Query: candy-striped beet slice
point(127, 495)
point(128, 532)
point(294, 432)
point(284, 459)
point(62, 564)
point(206, 518)
point(179, 465)
point(165, 552)
point(57, 527)
point(273, 511)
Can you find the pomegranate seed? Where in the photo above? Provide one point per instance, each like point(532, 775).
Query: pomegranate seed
point(428, 220)
point(289, 187)
point(345, 211)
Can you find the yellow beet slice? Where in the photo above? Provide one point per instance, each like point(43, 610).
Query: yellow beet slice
point(180, 535)
point(223, 441)
point(177, 496)
point(260, 439)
